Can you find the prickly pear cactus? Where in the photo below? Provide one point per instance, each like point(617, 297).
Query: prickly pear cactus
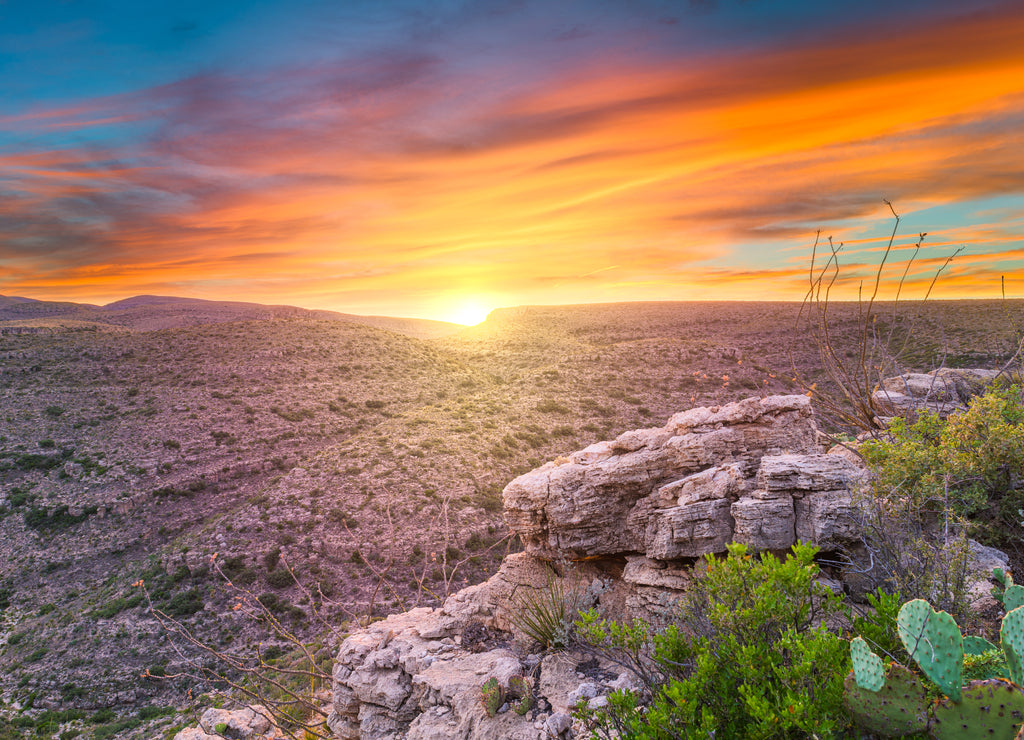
point(1004, 580)
point(1013, 597)
point(492, 695)
point(1011, 634)
point(987, 709)
point(519, 689)
point(867, 667)
point(974, 645)
point(900, 707)
point(934, 641)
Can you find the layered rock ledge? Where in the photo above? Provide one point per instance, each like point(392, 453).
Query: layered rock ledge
point(625, 521)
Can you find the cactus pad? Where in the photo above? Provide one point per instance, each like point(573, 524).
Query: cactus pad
point(492, 696)
point(934, 641)
point(898, 708)
point(519, 689)
point(974, 645)
point(867, 667)
point(988, 709)
point(1012, 636)
point(1013, 597)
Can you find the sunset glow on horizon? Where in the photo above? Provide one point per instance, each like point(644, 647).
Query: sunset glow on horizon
point(443, 160)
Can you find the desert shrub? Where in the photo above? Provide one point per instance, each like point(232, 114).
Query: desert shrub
point(245, 577)
point(54, 411)
point(969, 466)
point(61, 518)
point(753, 660)
point(339, 515)
point(233, 565)
point(184, 604)
point(549, 406)
point(272, 558)
point(115, 606)
point(280, 579)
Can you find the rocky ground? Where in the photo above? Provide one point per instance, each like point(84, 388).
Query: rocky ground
point(344, 451)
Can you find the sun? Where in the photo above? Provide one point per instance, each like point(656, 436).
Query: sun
point(469, 312)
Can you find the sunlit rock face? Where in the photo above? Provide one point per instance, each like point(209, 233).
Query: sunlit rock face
point(711, 476)
point(620, 525)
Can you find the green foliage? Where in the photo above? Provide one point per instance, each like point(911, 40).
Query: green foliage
point(973, 462)
point(752, 662)
point(986, 664)
point(961, 476)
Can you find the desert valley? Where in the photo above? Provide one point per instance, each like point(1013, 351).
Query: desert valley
point(338, 467)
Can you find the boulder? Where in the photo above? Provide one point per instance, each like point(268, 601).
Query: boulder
point(248, 723)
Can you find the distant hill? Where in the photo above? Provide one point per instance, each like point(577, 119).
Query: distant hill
point(15, 308)
point(151, 313)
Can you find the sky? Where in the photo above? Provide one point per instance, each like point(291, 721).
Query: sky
point(441, 159)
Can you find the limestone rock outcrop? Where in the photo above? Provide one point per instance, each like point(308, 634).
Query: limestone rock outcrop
point(943, 391)
point(632, 515)
point(748, 472)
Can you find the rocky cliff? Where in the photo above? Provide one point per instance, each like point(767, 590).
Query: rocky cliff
point(623, 522)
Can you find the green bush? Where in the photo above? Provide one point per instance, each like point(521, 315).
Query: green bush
point(280, 578)
point(975, 459)
point(744, 657)
point(184, 604)
point(970, 467)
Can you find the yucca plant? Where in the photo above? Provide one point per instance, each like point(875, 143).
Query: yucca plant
point(546, 615)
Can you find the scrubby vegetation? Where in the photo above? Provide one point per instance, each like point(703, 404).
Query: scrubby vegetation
point(759, 649)
point(747, 655)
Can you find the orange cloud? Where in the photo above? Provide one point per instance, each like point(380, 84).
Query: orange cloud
point(685, 176)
